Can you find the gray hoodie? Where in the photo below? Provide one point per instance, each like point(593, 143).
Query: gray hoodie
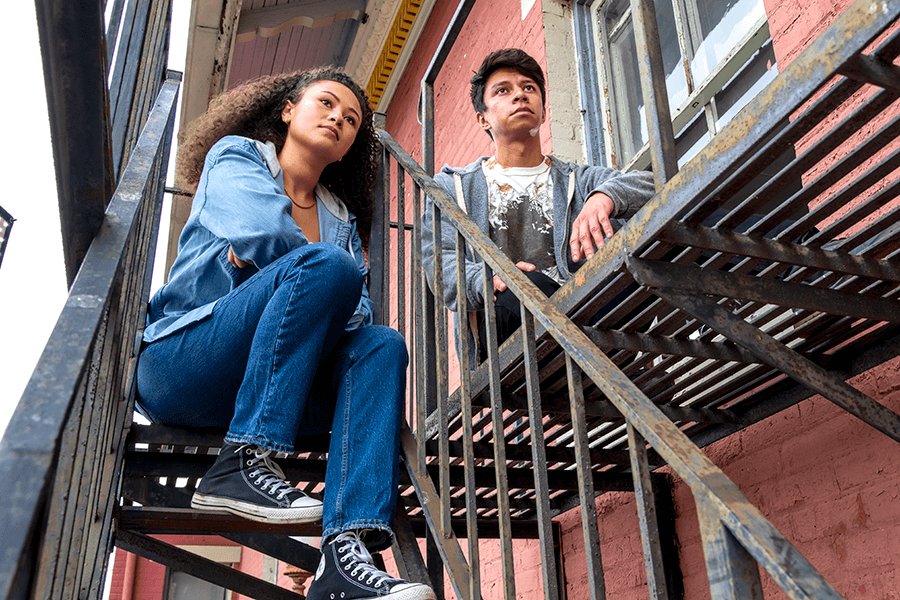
point(572, 186)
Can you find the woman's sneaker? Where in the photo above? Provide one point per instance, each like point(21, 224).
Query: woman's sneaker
point(346, 572)
point(244, 481)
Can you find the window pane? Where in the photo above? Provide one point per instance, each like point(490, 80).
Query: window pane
point(746, 84)
point(629, 115)
point(628, 100)
point(186, 587)
point(722, 25)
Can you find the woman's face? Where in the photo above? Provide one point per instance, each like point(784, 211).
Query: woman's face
point(325, 119)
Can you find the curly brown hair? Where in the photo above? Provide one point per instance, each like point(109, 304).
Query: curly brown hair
point(253, 110)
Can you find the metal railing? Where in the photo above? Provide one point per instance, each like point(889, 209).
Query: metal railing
point(470, 433)
point(63, 447)
point(61, 452)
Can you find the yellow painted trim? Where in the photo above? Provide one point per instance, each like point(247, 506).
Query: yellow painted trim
point(393, 45)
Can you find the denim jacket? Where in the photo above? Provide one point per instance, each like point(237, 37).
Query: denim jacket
point(240, 203)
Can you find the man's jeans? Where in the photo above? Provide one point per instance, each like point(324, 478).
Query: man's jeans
point(274, 361)
point(508, 313)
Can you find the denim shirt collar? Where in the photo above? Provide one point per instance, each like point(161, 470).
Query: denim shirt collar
point(334, 206)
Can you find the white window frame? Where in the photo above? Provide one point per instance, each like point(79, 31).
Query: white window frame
point(700, 96)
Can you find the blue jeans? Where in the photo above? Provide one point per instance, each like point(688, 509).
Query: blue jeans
point(273, 361)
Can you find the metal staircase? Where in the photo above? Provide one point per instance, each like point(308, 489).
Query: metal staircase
point(727, 319)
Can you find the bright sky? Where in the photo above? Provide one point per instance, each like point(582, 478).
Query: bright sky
point(32, 275)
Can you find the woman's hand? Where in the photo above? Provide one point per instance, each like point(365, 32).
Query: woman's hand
point(240, 264)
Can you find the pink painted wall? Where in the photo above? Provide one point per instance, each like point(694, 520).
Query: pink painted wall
point(795, 23)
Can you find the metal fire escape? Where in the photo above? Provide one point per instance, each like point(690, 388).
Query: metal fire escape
point(727, 318)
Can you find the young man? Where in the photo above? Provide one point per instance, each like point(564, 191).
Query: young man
point(547, 215)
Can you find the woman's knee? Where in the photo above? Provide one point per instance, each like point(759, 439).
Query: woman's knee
point(387, 343)
point(333, 270)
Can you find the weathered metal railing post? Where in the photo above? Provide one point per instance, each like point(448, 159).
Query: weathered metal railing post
point(64, 443)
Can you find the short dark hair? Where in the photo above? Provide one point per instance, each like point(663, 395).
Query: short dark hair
point(512, 58)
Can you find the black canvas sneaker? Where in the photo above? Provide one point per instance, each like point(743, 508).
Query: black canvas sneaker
point(346, 572)
point(244, 481)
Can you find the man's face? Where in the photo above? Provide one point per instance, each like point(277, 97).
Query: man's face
point(513, 102)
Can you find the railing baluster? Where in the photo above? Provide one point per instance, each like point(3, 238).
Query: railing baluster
point(420, 289)
point(440, 328)
point(401, 250)
point(596, 582)
point(646, 506)
point(462, 337)
point(733, 574)
point(539, 457)
point(506, 550)
point(386, 236)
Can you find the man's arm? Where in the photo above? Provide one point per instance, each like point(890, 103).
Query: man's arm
point(609, 194)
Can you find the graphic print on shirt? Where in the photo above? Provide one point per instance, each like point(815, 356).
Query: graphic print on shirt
point(520, 213)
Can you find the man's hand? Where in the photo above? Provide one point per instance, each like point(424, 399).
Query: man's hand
point(499, 286)
point(240, 264)
point(591, 226)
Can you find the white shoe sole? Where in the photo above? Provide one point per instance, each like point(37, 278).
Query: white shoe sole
point(260, 514)
point(414, 592)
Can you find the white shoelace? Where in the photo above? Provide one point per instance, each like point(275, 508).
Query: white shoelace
point(356, 551)
point(267, 473)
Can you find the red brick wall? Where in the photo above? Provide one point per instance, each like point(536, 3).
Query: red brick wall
point(824, 479)
point(492, 25)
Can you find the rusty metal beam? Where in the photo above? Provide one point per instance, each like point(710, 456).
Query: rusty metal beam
point(647, 517)
point(596, 579)
point(694, 281)
point(539, 459)
point(731, 570)
point(872, 69)
point(730, 242)
point(446, 541)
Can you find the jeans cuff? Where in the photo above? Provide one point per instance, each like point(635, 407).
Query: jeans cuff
point(379, 536)
point(257, 441)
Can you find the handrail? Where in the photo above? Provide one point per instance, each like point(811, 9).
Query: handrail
point(62, 449)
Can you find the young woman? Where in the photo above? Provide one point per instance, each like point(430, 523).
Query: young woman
point(265, 325)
